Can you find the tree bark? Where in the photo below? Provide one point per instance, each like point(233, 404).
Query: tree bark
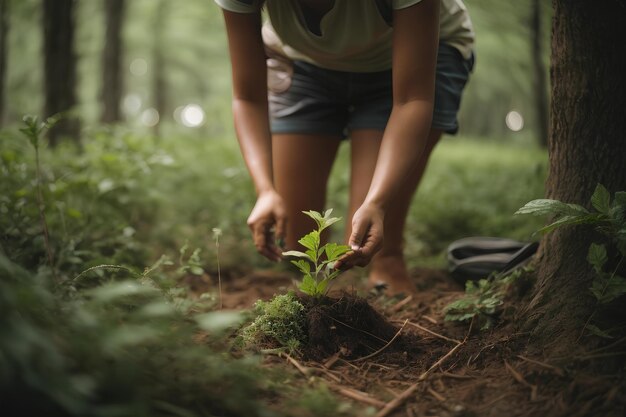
point(539, 74)
point(4, 31)
point(586, 147)
point(160, 95)
point(60, 67)
point(112, 72)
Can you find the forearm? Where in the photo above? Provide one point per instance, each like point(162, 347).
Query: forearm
point(402, 146)
point(253, 133)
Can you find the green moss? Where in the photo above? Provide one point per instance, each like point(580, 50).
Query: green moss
point(280, 323)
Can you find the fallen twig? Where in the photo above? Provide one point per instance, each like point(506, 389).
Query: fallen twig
point(428, 318)
point(401, 304)
point(396, 402)
point(424, 329)
point(359, 396)
point(435, 394)
point(371, 355)
point(303, 370)
point(553, 368)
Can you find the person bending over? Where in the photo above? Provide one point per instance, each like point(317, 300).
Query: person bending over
point(387, 74)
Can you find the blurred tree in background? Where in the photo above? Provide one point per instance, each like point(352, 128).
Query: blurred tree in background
point(4, 30)
point(60, 67)
point(166, 65)
point(112, 62)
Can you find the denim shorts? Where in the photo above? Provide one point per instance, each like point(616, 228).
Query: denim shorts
point(304, 98)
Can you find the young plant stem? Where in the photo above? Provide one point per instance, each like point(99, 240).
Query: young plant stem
point(217, 233)
point(42, 216)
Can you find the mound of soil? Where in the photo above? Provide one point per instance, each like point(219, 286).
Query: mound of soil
point(348, 325)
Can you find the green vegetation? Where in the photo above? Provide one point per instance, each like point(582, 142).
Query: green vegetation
point(125, 201)
point(321, 258)
point(607, 216)
point(280, 323)
point(483, 300)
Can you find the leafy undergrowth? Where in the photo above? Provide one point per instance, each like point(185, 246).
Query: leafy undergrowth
point(89, 331)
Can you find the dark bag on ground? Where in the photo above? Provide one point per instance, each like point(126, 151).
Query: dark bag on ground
point(474, 258)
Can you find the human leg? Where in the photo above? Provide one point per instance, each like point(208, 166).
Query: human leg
point(388, 266)
point(302, 164)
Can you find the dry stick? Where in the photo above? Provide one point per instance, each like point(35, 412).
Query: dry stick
point(430, 319)
point(456, 376)
point(359, 396)
point(395, 403)
point(304, 371)
point(371, 355)
point(435, 394)
point(553, 368)
point(424, 329)
point(401, 304)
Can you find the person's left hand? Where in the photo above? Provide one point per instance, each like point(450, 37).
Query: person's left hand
point(366, 238)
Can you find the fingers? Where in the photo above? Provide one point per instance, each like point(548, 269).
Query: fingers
point(264, 240)
point(366, 239)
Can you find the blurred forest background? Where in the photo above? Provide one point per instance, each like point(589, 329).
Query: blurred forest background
point(114, 223)
point(144, 89)
point(170, 55)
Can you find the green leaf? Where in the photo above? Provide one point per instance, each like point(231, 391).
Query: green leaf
point(308, 285)
point(616, 288)
point(459, 317)
point(321, 286)
point(117, 290)
point(597, 256)
point(620, 198)
point(601, 199)
point(544, 206)
point(571, 220)
point(334, 251)
point(311, 240)
point(128, 335)
point(303, 266)
point(297, 254)
point(219, 321)
point(319, 219)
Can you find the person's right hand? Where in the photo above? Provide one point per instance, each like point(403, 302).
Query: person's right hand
point(267, 222)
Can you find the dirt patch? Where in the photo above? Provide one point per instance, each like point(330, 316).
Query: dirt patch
point(436, 368)
point(351, 327)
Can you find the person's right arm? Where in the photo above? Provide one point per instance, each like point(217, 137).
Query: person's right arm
point(250, 111)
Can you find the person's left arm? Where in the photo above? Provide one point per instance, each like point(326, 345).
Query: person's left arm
point(415, 43)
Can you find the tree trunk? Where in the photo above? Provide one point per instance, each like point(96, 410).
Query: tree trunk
point(112, 73)
point(4, 31)
point(539, 76)
point(586, 147)
point(60, 67)
point(158, 59)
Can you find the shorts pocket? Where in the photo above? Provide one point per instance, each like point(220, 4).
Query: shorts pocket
point(279, 74)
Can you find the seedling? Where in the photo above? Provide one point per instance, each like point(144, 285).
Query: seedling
point(317, 262)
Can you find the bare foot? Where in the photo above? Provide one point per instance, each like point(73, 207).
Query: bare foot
point(390, 270)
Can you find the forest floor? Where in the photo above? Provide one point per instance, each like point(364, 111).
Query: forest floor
point(449, 369)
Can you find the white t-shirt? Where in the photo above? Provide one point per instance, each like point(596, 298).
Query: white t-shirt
point(354, 35)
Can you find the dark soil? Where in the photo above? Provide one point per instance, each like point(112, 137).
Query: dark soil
point(349, 325)
point(447, 369)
